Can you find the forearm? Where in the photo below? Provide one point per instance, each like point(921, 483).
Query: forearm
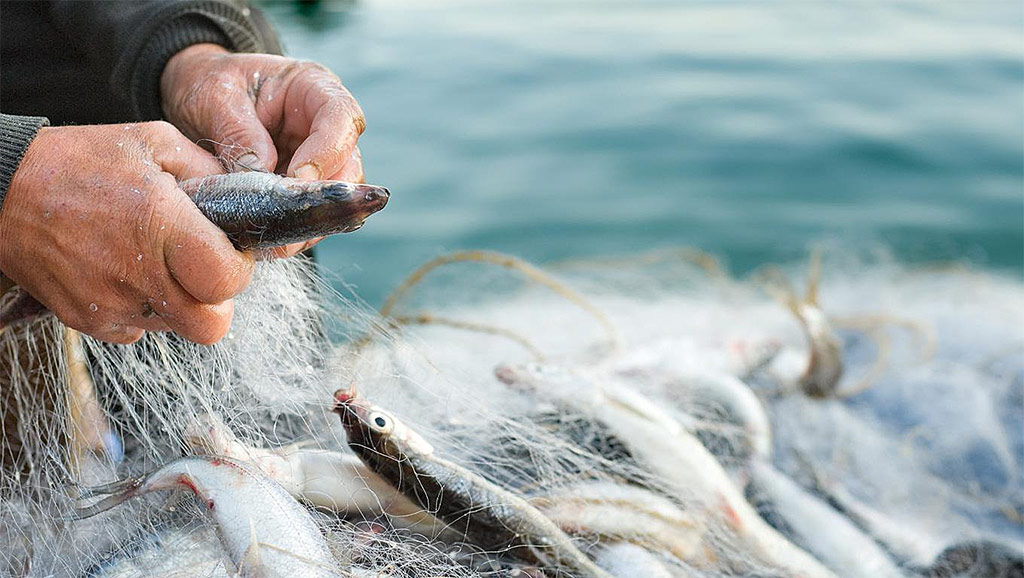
point(16, 133)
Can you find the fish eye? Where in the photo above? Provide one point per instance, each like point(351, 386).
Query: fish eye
point(380, 422)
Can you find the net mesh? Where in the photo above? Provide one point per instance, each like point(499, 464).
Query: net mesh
point(919, 449)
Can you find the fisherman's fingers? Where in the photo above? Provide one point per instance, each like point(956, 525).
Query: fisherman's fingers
point(163, 305)
point(211, 95)
point(195, 270)
point(114, 333)
point(290, 113)
point(199, 255)
point(352, 172)
point(115, 315)
point(155, 302)
point(179, 156)
point(291, 250)
point(198, 322)
point(329, 126)
point(123, 334)
point(230, 123)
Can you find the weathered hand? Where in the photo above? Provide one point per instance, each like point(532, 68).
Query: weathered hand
point(295, 116)
point(95, 227)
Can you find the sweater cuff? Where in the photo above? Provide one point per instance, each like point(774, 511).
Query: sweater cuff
point(184, 24)
point(16, 132)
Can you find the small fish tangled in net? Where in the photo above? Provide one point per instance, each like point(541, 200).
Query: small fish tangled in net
point(649, 416)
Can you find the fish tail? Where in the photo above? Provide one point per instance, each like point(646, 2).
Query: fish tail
point(126, 485)
point(100, 506)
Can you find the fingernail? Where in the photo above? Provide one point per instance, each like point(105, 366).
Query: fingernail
point(248, 161)
point(308, 171)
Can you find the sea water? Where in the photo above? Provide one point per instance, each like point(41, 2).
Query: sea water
point(557, 128)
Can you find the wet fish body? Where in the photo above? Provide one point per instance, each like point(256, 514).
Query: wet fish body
point(814, 525)
point(906, 544)
point(626, 560)
point(718, 391)
point(259, 210)
point(322, 478)
point(611, 513)
point(667, 450)
point(263, 529)
point(489, 516)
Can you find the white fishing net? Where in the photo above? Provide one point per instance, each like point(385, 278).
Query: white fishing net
point(550, 383)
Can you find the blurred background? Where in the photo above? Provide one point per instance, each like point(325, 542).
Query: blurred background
point(555, 128)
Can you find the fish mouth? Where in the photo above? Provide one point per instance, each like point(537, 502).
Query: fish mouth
point(506, 374)
point(348, 205)
point(349, 407)
point(516, 378)
point(369, 198)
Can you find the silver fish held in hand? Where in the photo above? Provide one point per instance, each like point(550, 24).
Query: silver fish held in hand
point(256, 210)
point(259, 210)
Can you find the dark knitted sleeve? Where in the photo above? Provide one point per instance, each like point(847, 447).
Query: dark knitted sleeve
point(16, 132)
point(132, 40)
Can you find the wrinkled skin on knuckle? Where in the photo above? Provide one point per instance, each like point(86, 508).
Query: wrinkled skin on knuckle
point(202, 90)
point(119, 277)
point(79, 321)
point(83, 225)
point(216, 86)
point(158, 211)
point(159, 132)
point(314, 67)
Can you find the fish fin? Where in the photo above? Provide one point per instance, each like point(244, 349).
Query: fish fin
point(125, 486)
point(100, 506)
point(251, 563)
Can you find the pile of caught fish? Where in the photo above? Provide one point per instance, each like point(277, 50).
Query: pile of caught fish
point(645, 417)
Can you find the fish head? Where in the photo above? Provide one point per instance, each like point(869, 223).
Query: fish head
point(370, 428)
point(345, 206)
point(549, 381)
point(531, 376)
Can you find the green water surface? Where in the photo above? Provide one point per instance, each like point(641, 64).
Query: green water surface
point(561, 128)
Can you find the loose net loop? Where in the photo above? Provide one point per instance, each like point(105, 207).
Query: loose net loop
point(531, 272)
